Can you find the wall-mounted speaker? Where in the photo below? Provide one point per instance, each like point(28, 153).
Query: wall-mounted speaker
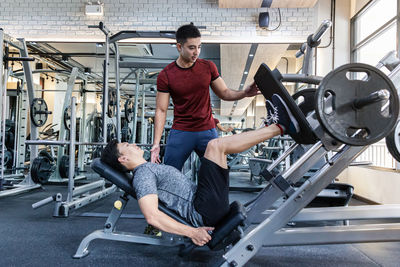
point(263, 20)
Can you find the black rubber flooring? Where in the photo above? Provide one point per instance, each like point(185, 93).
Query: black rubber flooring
point(34, 238)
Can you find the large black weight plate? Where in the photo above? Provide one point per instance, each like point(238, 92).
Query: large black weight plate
point(8, 158)
point(112, 103)
point(42, 167)
point(64, 166)
point(67, 117)
point(39, 112)
point(126, 134)
point(393, 142)
point(111, 132)
point(305, 100)
point(129, 109)
point(334, 105)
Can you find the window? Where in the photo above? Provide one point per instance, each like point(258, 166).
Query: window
point(374, 31)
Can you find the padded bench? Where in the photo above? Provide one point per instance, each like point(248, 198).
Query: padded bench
point(226, 232)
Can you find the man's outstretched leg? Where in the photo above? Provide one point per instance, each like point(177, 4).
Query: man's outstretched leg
point(280, 121)
point(212, 195)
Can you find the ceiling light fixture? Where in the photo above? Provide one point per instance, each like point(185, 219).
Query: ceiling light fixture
point(94, 9)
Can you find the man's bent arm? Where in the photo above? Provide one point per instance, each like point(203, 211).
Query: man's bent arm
point(162, 102)
point(222, 91)
point(149, 207)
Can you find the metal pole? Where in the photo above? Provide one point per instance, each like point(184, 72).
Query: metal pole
point(31, 95)
point(82, 129)
point(3, 92)
point(61, 135)
point(71, 170)
point(143, 124)
point(105, 87)
point(136, 105)
point(117, 86)
point(3, 119)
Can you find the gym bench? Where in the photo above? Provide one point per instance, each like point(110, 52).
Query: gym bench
point(228, 231)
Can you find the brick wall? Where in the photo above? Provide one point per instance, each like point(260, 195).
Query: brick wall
point(65, 19)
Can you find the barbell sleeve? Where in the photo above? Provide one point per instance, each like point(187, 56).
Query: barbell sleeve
point(41, 203)
point(325, 25)
point(372, 98)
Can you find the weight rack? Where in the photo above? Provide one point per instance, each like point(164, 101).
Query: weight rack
point(5, 41)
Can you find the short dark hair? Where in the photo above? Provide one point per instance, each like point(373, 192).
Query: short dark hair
point(110, 155)
point(186, 31)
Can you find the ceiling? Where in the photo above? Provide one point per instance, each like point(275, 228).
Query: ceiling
point(232, 61)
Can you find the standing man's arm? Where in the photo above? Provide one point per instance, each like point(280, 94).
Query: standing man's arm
point(162, 102)
point(222, 91)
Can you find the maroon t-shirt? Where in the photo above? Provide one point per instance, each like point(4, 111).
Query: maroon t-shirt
point(189, 89)
point(216, 121)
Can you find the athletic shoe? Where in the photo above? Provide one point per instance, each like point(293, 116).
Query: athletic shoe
point(272, 113)
point(151, 230)
point(284, 116)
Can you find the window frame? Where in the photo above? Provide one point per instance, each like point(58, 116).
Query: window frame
point(355, 46)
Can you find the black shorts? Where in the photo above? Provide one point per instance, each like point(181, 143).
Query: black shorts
point(212, 195)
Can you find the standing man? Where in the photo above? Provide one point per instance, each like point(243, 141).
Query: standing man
point(187, 81)
point(222, 128)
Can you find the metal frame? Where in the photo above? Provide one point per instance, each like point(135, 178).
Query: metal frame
point(26, 184)
point(271, 230)
point(62, 208)
point(109, 233)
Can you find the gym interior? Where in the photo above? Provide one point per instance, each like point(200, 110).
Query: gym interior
point(76, 74)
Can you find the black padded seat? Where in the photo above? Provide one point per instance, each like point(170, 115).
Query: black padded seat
point(224, 232)
point(124, 181)
point(269, 83)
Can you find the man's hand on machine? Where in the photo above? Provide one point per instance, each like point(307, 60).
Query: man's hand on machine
point(252, 90)
point(155, 152)
point(200, 236)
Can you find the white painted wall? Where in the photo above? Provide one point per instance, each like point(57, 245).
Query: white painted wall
point(340, 49)
point(65, 20)
point(377, 185)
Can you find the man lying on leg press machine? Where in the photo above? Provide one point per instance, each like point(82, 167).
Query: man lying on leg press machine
point(202, 205)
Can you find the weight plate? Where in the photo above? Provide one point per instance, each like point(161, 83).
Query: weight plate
point(338, 108)
point(8, 158)
point(129, 109)
point(46, 154)
point(67, 117)
point(64, 166)
point(112, 103)
point(41, 169)
point(97, 152)
point(111, 132)
point(305, 100)
point(126, 134)
point(39, 112)
point(393, 142)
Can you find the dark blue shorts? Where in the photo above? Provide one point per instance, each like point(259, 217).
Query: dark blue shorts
point(180, 145)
